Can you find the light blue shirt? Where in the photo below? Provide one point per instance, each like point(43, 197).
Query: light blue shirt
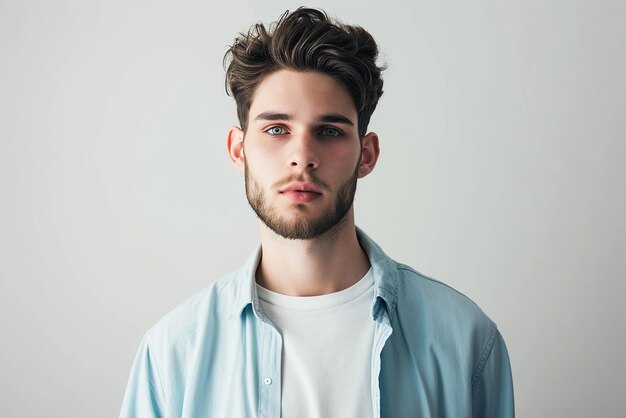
point(435, 353)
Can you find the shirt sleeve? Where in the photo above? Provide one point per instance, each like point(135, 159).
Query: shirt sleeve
point(144, 395)
point(493, 390)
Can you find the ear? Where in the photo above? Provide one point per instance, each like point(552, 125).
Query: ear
point(369, 154)
point(234, 147)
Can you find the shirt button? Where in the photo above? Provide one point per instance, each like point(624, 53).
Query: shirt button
point(268, 381)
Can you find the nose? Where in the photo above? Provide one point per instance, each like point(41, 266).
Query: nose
point(303, 154)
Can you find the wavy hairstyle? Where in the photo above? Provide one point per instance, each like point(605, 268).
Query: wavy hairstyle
point(305, 40)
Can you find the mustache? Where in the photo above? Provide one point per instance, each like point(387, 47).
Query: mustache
point(310, 178)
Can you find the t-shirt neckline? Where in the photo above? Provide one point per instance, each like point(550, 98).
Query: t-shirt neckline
point(317, 302)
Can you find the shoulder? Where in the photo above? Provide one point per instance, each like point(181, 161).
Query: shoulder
point(416, 300)
point(430, 315)
point(431, 291)
point(431, 304)
point(205, 309)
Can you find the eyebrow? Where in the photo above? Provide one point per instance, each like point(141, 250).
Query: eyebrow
point(327, 117)
point(335, 118)
point(273, 116)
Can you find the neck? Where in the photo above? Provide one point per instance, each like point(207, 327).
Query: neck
point(329, 263)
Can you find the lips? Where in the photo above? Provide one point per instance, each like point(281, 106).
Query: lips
point(301, 192)
point(301, 187)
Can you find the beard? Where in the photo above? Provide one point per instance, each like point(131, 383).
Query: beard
point(303, 227)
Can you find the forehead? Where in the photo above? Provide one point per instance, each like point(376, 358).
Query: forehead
point(303, 94)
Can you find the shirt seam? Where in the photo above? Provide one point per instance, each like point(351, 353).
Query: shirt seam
point(483, 359)
point(153, 354)
point(432, 280)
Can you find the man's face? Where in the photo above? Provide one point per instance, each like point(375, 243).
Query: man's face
point(301, 153)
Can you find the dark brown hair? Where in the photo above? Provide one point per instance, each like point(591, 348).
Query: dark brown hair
point(306, 40)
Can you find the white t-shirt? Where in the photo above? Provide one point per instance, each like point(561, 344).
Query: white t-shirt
point(327, 350)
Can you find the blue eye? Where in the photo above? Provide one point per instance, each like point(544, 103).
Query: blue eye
point(276, 130)
point(331, 132)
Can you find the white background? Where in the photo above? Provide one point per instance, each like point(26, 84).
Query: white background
point(501, 173)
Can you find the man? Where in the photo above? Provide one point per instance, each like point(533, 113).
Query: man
point(319, 322)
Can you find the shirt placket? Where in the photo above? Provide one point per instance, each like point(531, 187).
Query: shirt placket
point(381, 333)
point(269, 393)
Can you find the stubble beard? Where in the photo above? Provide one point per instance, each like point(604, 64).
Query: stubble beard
point(304, 227)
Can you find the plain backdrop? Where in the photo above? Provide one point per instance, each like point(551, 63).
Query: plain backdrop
point(501, 173)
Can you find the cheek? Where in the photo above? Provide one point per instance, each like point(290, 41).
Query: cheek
point(344, 158)
point(261, 165)
point(255, 154)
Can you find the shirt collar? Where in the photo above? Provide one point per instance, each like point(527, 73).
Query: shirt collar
point(383, 268)
point(245, 293)
point(385, 276)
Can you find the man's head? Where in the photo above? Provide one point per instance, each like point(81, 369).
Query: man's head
point(306, 40)
point(305, 92)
